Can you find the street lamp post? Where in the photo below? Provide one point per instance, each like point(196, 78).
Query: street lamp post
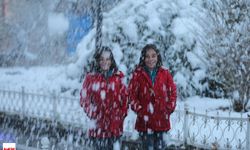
point(5, 11)
point(99, 18)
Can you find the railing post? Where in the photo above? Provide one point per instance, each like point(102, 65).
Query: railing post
point(23, 101)
point(45, 143)
point(54, 111)
point(248, 133)
point(185, 126)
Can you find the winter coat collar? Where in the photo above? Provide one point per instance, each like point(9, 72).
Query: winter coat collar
point(142, 70)
point(151, 73)
point(113, 72)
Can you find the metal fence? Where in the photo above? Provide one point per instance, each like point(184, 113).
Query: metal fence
point(47, 106)
point(210, 132)
point(188, 128)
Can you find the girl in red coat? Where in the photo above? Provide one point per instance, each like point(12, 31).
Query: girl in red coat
point(104, 99)
point(152, 92)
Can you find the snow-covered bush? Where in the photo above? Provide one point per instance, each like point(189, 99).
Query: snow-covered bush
point(226, 44)
point(131, 25)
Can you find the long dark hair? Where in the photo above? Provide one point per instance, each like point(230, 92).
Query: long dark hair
point(97, 56)
point(143, 55)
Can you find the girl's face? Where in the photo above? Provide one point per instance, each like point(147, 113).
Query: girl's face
point(151, 58)
point(105, 61)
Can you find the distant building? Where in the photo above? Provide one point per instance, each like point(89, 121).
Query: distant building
point(24, 32)
point(79, 25)
point(80, 18)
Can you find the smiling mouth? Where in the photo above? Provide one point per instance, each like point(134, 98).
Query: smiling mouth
point(153, 63)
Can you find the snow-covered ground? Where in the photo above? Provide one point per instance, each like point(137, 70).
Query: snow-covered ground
point(38, 79)
point(46, 80)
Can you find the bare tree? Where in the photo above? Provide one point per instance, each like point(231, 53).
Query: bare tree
point(226, 41)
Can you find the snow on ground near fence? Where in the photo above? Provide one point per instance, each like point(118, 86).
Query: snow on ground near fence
point(57, 81)
point(39, 79)
point(38, 93)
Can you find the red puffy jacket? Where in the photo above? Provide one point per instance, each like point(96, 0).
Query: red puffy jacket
point(105, 101)
point(152, 103)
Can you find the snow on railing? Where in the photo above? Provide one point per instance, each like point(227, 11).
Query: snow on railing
point(47, 106)
point(188, 127)
point(210, 131)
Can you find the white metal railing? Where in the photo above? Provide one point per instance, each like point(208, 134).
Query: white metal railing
point(188, 128)
point(48, 106)
point(210, 132)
